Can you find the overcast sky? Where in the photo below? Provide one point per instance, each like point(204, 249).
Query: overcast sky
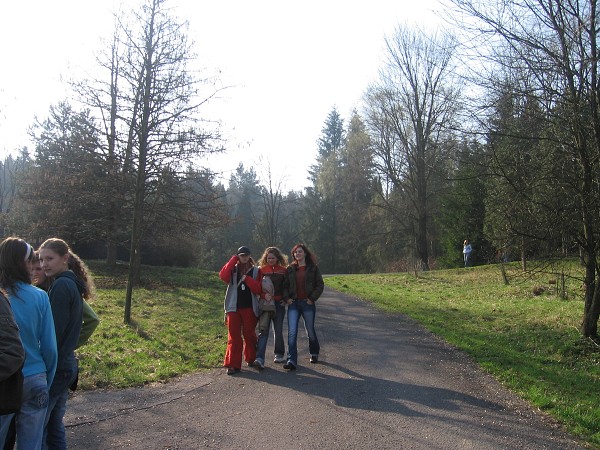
point(289, 64)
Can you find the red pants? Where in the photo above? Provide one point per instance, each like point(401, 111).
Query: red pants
point(240, 323)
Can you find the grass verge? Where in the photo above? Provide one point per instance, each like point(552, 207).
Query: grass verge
point(522, 333)
point(177, 327)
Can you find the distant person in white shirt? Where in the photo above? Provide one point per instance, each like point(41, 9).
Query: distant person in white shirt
point(467, 249)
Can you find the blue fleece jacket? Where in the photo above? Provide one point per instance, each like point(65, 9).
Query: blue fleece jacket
point(67, 305)
point(32, 312)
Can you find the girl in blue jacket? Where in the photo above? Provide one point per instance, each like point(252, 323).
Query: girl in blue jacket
point(33, 315)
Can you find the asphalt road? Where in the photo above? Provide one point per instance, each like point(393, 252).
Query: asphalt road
point(383, 382)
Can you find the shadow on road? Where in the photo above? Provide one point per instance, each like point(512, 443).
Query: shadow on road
point(349, 389)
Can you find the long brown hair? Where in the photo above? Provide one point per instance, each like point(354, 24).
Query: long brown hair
point(309, 258)
point(75, 263)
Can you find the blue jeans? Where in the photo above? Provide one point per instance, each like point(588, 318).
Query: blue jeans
point(278, 328)
point(295, 310)
point(30, 420)
point(264, 326)
point(54, 434)
point(263, 337)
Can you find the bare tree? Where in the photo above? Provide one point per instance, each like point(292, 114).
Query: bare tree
point(408, 113)
point(551, 47)
point(103, 96)
point(269, 226)
point(160, 100)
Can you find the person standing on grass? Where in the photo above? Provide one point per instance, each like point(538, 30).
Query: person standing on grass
point(71, 282)
point(467, 250)
point(241, 309)
point(304, 285)
point(33, 315)
point(272, 265)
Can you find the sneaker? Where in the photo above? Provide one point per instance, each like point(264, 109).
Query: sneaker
point(231, 371)
point(289, 366)
point(314, 359)
point(279, 359)
point(258, 364)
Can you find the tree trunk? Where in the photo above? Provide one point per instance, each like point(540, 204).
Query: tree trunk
point(422, 248)
point(134, 255)
point(589, 326)
point(111, 253)
point(591, 309)
point(421, 242)
point(523, 256)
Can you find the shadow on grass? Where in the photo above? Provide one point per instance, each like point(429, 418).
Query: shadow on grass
point(137, 328)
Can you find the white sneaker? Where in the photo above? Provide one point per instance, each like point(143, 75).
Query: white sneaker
point(279, 359)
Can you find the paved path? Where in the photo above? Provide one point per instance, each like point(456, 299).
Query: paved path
point(384, 383)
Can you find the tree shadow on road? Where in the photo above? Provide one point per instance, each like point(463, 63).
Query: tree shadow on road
point(350, 389)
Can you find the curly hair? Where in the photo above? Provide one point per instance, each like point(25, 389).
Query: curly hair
point(281, 258)
point(75, 263)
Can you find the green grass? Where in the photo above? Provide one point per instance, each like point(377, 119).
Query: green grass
point(177, 327)
point(522, 333)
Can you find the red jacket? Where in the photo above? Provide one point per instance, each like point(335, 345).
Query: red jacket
point(227, 270)
point(228, 274)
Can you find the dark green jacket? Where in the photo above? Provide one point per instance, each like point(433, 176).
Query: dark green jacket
point(313, 283)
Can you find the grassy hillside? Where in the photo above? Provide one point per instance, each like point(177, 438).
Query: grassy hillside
point(178, 327)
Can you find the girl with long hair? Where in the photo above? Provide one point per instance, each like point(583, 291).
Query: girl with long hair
point(304, 285)
point(33, 315)
point(71, 282)
point(90, 320)
point(272, 265)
